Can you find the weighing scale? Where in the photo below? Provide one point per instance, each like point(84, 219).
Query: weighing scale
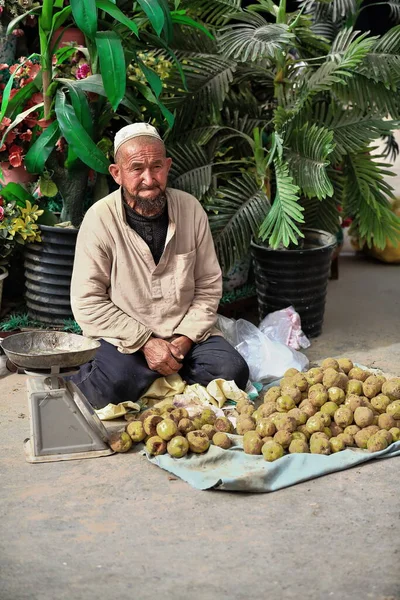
point(63, 425)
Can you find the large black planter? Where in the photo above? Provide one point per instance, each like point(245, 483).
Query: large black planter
point(48, 271)
point(296, 278)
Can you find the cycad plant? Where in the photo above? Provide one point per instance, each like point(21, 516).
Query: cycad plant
point(275, 131)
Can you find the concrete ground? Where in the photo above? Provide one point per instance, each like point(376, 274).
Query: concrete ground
point(121, 527)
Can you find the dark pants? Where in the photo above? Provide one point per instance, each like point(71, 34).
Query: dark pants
point(113, 377)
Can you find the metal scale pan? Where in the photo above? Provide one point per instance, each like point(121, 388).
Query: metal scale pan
point(64, 425)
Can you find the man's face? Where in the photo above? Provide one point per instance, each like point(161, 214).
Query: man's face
point(142, 170)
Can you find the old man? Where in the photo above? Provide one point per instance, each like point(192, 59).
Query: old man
point(147, 282)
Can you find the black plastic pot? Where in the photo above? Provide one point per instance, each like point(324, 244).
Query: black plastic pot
point(48, 272)
point(296, 278)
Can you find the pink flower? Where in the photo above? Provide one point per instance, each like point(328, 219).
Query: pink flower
point(27, 136)
point(1, 213)
point(15, 156)
point(31, 119)
point(3, 66)
point(11, 135)
point(18, 32)
point(83, 71)
point(5, 123)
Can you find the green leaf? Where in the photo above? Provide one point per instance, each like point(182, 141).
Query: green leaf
point(168, 29)
point(154, 13)
point(117, 14)
point(60, 17)
point(80, 142)
point(39, 152)
point(80, 105)
point(18, 119)
point(280, 227)
point(188, 22)
point(216, 12)
point(64, 53)
point(85, 15)
point(157, 42)
point(150, 97)
point(20, 97)
point(47, 187)
point(13, 24)
point(94, 83)
point(112, 64)
point(191, 169)
point(15, 192)
point(151, 76)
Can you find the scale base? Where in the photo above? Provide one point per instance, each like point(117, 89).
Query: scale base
point(33, 459)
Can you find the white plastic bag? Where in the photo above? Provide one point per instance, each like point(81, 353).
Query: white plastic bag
point(285, 326)
point(267, 359)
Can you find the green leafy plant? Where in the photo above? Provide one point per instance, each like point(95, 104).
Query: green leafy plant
point(295, 102)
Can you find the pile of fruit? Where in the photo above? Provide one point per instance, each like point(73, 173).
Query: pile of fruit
point(322, 411)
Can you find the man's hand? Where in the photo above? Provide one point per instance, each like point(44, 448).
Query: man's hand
point(182, 343)
point(162, 356)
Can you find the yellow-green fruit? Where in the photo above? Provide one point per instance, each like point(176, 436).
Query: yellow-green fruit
point(286, 382)
point(136, 431)
point(286, 422)
point(325, 418)
point(298, 414)
point(210, 430)
point(283, 438)
point(395, 431)
point(221, 440)
point(276, 416)
point(381, 378)
point(320, 445)
point(178, 447)
point(208, 416)
point(330, 363)
point(272, 394)
point(319, 434)
point(150, 424)
point(167, 429)
point(156, 446)
point(361, 438)
point(317, 395)
point(267, 438)
point(223, 424)
point(372, 386)
point(271, 451)
point(314, 376)
point(386, 421)
point(148, 413)
point(285, 403)
point(328, 432)
point(314, 424)
point(291, 372)
point(391, 389)
point(376, 443)
point(244, 424)
point(267, 409)
point(354, 402)
point(329, 408)
point(363, 416)
point(352, 429)
point(247, 411)
point(336, 395)
point(387, 435)
point(393, 409)
point(198, 441)
point(335, 429)
point(197, 423)
point(300, 435)
point(300, 382)
point(252, 443)
point(358, 373)
point(380, 403)
point(179, 413)
point(304, 395)
point(293, 392)
point(265, 427)
point(242, 402)
point(308, 408)
point(298, 446)
point(345, 364)
point(376, 418)
point(354, 386)
point(372, 429)
point(120, 441)
point(337, 444)
point(185, 425)
point(331, 378)
point(343, 416)
point(347, 439)
point(255, 415)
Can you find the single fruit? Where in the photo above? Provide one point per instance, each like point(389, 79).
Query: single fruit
point(354, 402)
point(363, 416)
point(345, 364)
point(271, 451)
point(148, 413)
point(221, 440)
point(285, 403)
point(347, 439)
point(335, 429)
point(391, 389)
point(320, 445)
point(298, 446)
point(210, 430)
point(325, 418)
point(328, 432)
point(223, 424)
point(178, 447)
point(136, 431)
point(272, 394)
point(317, 395)
point(197, 423)
point(358, 373)
point(361, 438)
point(343, 416)
point(376, 443)
point(299, 435)
point(298, 414)
point(198, 441)
point(386, 421)
point(314, 424)
point(386, 435)
point(247, 411)
point(150, 424)
point(283, 438)
point(336, 395)
point(291, 372)
point(285, 422)
point(300, 382)
point(380, 403)
point(120, 441)
point(354, 386)
point(352, 429)
point(185, 425)
point(308, 408)
point(314, 376)
point(302, 429)
point(265, 427)
point(372, 386)
point(244, 424)
point(393, 409)
point(395, 431)
point(337, 444)
point(179, 413)
point(293, 392)
point(330, 363)
point(242, 402)
point(155, 445)
point(329, 408)
point(267, 409)
point(252, 443)
point(167, 429)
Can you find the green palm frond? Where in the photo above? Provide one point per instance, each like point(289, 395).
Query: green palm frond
point(280, 227)
point(235, 215)
point(321, 214)
point(307, 151)
point(253, 38)
point(191, 169)
point(208, 81)
point(368, 96)
point(366, 196)
point(389, 43)
point(394, 6)
point(215, 12)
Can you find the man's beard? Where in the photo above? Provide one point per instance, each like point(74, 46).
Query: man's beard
point(148, 207)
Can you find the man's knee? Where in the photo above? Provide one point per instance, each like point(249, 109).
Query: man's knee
point(235, 370)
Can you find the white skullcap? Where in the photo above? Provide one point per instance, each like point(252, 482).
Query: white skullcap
point(134, 130)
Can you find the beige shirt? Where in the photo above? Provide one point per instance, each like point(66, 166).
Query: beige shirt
point(120, 295)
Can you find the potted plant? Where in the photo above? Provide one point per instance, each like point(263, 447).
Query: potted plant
point(321, 102)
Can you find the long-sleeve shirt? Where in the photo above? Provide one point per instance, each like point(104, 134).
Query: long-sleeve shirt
point(119, 294)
